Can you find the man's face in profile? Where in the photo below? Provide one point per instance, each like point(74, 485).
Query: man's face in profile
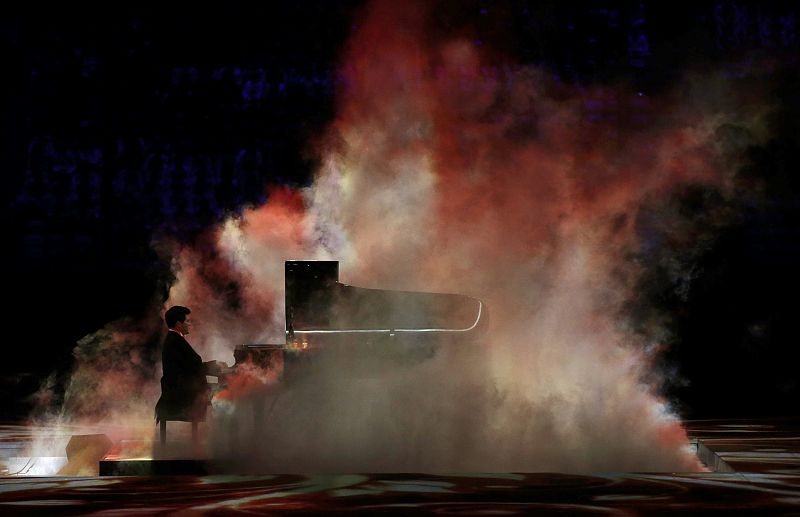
point(183, 326)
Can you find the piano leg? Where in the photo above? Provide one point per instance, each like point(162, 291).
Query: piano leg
point(194, 433)
point(163, 432)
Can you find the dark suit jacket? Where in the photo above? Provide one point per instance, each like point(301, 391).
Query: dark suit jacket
point(184, 391)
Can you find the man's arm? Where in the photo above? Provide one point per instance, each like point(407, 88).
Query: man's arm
point(179, 358)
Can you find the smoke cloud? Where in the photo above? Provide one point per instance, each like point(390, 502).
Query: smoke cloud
point(448, 169)
point(451, 169)
point(110, 390)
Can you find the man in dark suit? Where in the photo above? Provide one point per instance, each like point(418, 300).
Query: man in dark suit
point(184, 390)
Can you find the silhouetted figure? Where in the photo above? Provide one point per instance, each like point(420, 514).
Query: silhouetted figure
point(184, 390)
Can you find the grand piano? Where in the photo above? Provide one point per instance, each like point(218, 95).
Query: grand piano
point(361, 332)
point(372, 328)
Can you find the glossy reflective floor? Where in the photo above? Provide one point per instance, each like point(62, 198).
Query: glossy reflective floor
point(758, 473)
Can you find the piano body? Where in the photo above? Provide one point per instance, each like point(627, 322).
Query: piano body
point(373, 327)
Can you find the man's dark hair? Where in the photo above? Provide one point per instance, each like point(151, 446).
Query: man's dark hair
point(175, 314)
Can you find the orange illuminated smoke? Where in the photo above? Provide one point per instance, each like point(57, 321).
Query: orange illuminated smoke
point(250, 379)
point(451, 168)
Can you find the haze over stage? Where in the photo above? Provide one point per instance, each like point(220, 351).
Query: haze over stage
point(617, 180)
point(763, 476)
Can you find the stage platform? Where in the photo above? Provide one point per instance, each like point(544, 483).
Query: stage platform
point(757, 463)
point(748, 446)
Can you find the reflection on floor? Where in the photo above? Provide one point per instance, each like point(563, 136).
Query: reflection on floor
point(758, 463)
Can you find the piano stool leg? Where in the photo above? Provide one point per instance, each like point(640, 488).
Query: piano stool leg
point(163, 432)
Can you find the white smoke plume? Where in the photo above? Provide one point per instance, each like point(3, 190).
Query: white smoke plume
point(450, 169)
point(444, 172)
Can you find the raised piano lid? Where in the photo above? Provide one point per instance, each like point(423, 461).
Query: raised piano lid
point(319, 308)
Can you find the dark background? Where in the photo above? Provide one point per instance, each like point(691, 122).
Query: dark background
point(119, 125)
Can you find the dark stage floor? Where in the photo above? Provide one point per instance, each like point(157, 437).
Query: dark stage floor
point(757, 466)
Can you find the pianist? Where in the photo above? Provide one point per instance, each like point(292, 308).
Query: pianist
point(184, 390)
